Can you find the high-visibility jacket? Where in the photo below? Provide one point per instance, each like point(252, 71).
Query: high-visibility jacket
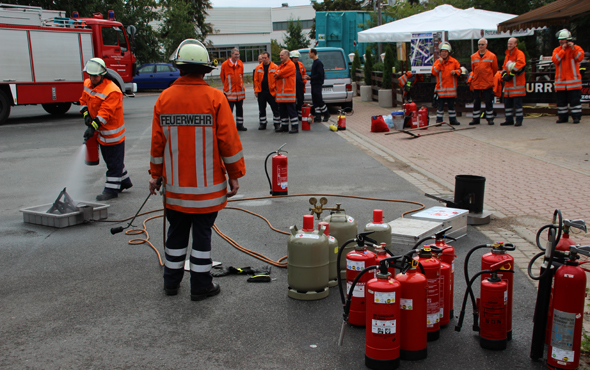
point(470, 80)
point(484, 68)
point(303, 72)
point(567, 67)
point(446, 83)
point(194, 142)
point(285, 83)
point(517, 85)
point(105, 102)
point(404, 79)
point(232, 78)
point(259, 76)
point(498, 85)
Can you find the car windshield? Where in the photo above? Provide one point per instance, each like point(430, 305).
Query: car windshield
point(333, 60)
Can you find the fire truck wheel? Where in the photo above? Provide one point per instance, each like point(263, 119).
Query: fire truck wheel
point(4, 107)
point(57, 108)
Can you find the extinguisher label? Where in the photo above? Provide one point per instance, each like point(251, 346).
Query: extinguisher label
point(350, 219)
point(308, 236)
point(385, 297)
point(359, 289)
point(406, 304)
point(355, 265)
point(383, 326)
point(562, 336)
point(432, 319)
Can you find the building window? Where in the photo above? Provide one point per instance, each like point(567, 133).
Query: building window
point(282, 26)
point(247, 53)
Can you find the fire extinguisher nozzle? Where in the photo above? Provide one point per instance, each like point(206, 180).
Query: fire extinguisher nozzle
point(116, 230)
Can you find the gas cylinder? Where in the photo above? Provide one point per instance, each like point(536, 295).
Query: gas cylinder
point(356, 261)
point(413, 310)
point(343, 227)
point(92, 158)
point(332, 252)
point(278, 185)
point(493, 312)
point(381, 254)
point(306, 117)
point(382, 345)
point(410, 111)
point(431, 267)
point(423, 117)
point(491, 258)
point(381, 230)
point(308, 262)
point(568, 314)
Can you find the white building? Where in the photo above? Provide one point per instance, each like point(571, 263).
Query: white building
point(251, 29)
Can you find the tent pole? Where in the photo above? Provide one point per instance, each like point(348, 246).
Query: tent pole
point(471, 45)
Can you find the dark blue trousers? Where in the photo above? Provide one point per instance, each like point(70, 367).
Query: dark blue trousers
point(114, 157)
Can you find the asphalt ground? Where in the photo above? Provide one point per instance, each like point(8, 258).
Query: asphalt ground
point(79, 297)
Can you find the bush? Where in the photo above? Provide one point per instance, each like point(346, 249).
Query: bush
point(356, 64)
point(378, 67)
point(368, 67)
point(389, 63)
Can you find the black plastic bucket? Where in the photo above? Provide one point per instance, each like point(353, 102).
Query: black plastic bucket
point(469, 191)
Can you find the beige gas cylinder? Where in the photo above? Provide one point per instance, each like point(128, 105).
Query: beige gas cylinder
point(343, 227)
point(333, 253)
point(308, 262)
point(382, 230)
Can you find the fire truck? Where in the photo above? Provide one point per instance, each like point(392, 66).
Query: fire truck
point(43, 53)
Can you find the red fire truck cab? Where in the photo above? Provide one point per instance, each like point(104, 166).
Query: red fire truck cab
point(44, 53)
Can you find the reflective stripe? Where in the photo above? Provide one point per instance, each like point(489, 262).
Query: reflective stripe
point(110, 140)
point(102, 120)
point(557, 56)
point(112, 186)
point(176, 252)
point(174, 265)
point(229, 82)
point(196, 203)
point(487, 60)
point(111, 132)
point(94, 93)
point(239, 155)
point(200, 268)
point(156, 160)
point(200, 255)
point(114, 179)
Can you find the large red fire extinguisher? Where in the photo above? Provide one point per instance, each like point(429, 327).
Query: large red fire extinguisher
point(91, 143)
point(423, 117)
point(432, 271)
point(446, 254)
point(356, 261)
point(410, 110)
point(491, 307)
point(306, 117)
point(278, 185)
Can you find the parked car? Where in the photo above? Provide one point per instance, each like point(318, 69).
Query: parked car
point(337, 88)
point(155, 76)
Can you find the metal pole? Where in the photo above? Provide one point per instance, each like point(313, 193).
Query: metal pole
point(380, 46)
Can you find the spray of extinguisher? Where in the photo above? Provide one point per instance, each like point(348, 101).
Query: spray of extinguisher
point(491, 307)
point(278, 185)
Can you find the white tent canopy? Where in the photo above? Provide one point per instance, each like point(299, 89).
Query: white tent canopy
point(461, 24)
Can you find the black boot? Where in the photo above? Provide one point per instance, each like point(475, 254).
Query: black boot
point(282, 128)
point(242, 128)
point(474, 122)
point(262, 127)
point(507, 123)
point(294, 129)
point(317, 118)
point(454, 122)
point(326, 116)
point(491, 122)
point(561, 120)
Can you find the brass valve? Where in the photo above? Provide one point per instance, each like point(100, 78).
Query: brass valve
point(319, 208)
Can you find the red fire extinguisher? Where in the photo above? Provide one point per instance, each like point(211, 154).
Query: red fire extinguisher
point(306, 117)
point(568, 312)
point(432, 271)
point(91, 143)
point(423, 117)
point(491, 307)
point(410, 111)
point(381, 253)
point(278, 185)
point(446, 253)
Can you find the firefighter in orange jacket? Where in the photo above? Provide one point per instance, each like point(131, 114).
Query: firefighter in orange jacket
point(447, 70)
point(194, 144)
point(484, 65)
point(102, 106)
point(286, 98)
point(514, 83)
point(300, 77)
point(568, 80)
point(232, 73)
point(265, 90)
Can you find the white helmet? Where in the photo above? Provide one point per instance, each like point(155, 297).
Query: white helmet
point(463, 71)
point(445, 46)
point(564, 34)
point(510, 66)
point(95, 67)
point(294, 54)
point(192, 52)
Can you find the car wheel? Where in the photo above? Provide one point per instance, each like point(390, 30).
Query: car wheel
point(4, 107)
point(57, 108)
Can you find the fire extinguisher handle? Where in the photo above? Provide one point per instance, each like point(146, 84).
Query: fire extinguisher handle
point(509, 247)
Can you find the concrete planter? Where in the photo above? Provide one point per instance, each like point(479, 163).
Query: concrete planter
point(366, 93)
point(385, 98)
point(354, 89)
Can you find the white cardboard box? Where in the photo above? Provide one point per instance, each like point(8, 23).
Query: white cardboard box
point(455, 217)
point(405, 232)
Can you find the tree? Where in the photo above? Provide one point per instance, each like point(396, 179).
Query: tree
point(356, 64)
point(387, 68)
point(275, 51)
point(184, 19)
point(294, 38)
point(368, 67)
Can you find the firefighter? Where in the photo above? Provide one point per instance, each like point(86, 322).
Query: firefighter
point(568, 80)
point(447, 70)
point(194, 143)
point(265, 90)
point(405, 84)
point(317, 82)
point(232, 74)
point(102, 107)
point(285, 96)
point(514, 84)
point(299, 80)
point(484, 66)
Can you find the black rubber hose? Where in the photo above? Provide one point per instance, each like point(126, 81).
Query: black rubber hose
point(266, 171)
point(467, 293)
point(466, 269)
point(340, 250)
point(354, 282)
